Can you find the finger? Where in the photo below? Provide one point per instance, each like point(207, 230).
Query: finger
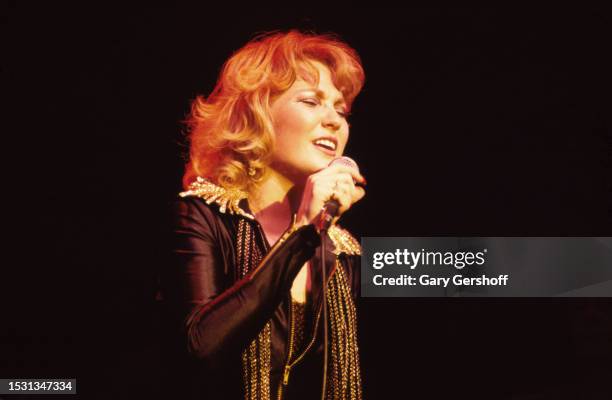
point(345, 201)
point(346, 179)
point(343, 169)
point(344, 182)
point(358, 194)
point(343, 192)
point(355, 193)
point(346, 187)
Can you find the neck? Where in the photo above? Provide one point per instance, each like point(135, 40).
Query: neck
point(274, 203)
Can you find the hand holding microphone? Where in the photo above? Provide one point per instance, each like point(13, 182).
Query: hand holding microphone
point(330, 192)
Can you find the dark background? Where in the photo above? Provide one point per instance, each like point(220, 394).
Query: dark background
point(472, 122)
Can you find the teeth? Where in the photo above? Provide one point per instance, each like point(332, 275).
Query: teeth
point(326, 143)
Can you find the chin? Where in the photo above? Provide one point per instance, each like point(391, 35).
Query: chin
point(299, 170)
point(319, 164)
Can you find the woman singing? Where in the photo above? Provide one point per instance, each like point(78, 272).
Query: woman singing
point(244, 282)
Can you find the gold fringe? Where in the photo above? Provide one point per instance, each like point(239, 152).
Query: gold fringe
point(226, 199)
point(344, 381)
point(256, 358)
point(344, 241)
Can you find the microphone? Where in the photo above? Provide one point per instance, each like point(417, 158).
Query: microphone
point(348, 162)
point(331, 206)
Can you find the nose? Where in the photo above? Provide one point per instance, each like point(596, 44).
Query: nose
point(331, 119)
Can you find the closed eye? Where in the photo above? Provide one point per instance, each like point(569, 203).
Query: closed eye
point(343, 114)
point(315, 102)
point(311, 102)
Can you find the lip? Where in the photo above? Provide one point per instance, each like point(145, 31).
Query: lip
point(324, 150)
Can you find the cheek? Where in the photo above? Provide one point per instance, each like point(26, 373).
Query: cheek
point(290, 122)
point(343, 141)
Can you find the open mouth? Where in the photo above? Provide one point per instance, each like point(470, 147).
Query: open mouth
point(327, 145)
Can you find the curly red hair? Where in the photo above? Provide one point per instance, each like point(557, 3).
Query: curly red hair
point(230, 132)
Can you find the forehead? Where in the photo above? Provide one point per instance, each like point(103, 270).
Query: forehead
point(306, 80)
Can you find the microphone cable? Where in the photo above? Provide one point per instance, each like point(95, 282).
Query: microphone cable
point(324, 300)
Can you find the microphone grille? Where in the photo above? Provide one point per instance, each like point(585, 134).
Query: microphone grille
point(347, 161)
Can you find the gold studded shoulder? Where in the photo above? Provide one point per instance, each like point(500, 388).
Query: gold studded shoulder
point(227, 199)
point(344, 241)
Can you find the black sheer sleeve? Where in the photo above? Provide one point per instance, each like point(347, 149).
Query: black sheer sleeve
point(219, 317)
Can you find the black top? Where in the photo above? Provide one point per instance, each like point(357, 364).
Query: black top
point(211, 314)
